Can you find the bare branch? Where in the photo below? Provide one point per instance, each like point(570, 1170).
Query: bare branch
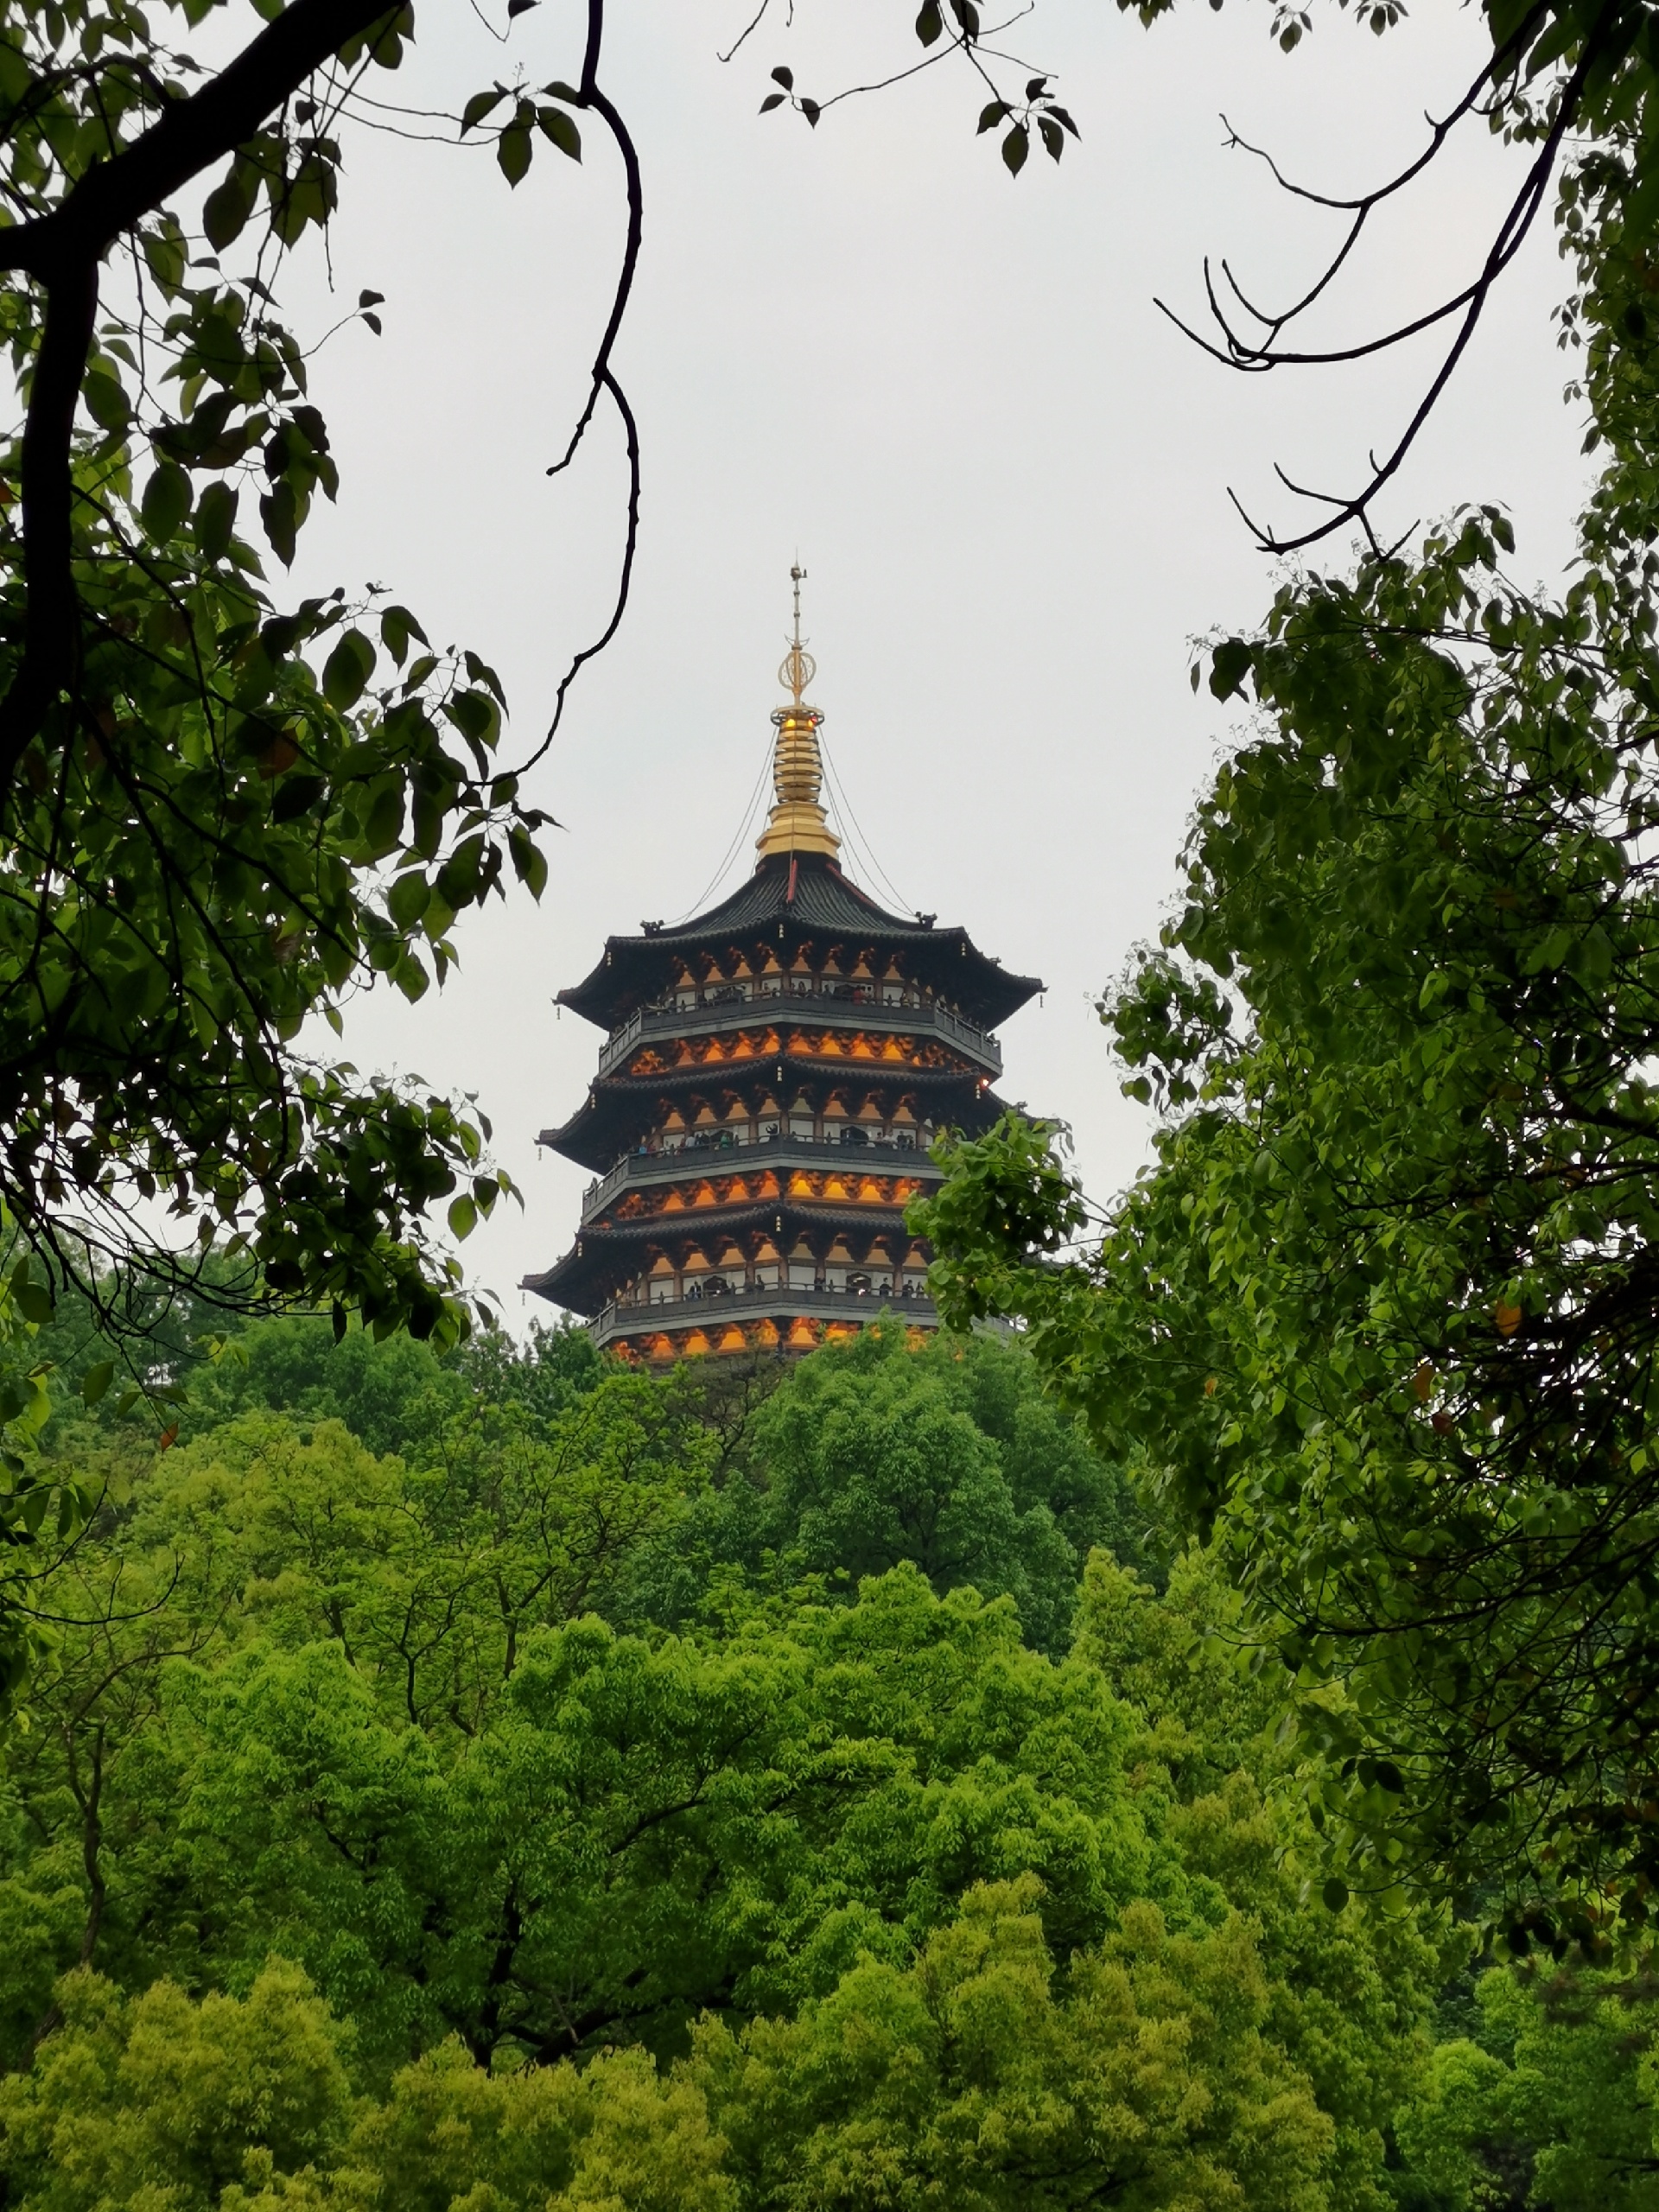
point(604, 378)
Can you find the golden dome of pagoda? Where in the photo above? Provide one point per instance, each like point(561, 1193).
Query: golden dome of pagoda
point(798, 823)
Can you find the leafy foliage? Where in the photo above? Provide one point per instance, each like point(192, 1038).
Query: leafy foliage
point(1381, 1318)
point(950, 1458)
point(221, 814)
point(351, 1856)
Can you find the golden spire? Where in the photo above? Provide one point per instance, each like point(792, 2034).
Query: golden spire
point(797, 822)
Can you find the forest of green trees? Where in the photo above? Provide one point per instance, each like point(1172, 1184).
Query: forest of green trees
point(498, 1779)
point(1196, 1751)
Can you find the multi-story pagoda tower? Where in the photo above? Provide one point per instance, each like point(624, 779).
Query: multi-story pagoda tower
point(773, 1074)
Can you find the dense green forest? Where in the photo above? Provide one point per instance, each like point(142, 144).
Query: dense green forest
point(500, 1779)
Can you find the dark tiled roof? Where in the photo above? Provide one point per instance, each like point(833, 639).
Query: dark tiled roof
point(808, 897)
point(617, 1107)
point(580, 1282)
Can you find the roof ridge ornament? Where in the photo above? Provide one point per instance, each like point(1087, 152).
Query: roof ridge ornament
point(798, 823)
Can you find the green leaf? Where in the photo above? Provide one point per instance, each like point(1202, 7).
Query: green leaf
point(481, 673)
point(165, 502)
point(411, 978)
point(1228, 666)
point(557, 128)
point(929, 23)
point(1335, 1894)
point(460, 876)
point(216, 521)
point(462, 1216)
point(478, 106)
point(297, 795)
point(227, 209)
point(1015, 147)
point(96, 1381)
point(348, 670)
point(279, 513)
point(512, 152)
point(529, 861)
point(408, 898)
point(398, 626)
point(165, 256)
point(107, 402)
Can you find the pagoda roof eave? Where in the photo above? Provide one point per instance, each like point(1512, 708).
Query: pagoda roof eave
point(570, 1281)
point(586, 1138)
point(807, 893)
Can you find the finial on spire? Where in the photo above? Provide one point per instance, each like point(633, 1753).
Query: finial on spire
point(797, 822)
point(798, 667)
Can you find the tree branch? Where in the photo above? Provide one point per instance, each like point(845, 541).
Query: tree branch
point(193, 133)
point(604, 378)
point(1256, 356)
point(63, 250)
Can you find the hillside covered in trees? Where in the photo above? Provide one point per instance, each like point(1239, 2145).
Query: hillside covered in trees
point(501, 1780)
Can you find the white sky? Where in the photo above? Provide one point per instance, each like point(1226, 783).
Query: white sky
point(1005, 473)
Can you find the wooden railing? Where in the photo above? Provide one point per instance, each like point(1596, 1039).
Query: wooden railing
point(882, 1156)
point(757, 1304)
point(928, 1018)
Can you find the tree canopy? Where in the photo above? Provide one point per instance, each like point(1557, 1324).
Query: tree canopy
point(1380, 1318)
point(365, 1842)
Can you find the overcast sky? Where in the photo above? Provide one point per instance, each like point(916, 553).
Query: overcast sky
point(949, 392)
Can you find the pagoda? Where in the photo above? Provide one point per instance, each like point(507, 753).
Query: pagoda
point(771, 1077)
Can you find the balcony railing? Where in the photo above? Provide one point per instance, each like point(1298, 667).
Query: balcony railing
point(768, 1305)
point(878, 1155)
point(715, 1012)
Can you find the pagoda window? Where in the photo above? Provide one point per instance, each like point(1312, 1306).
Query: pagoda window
point(802, 1122)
